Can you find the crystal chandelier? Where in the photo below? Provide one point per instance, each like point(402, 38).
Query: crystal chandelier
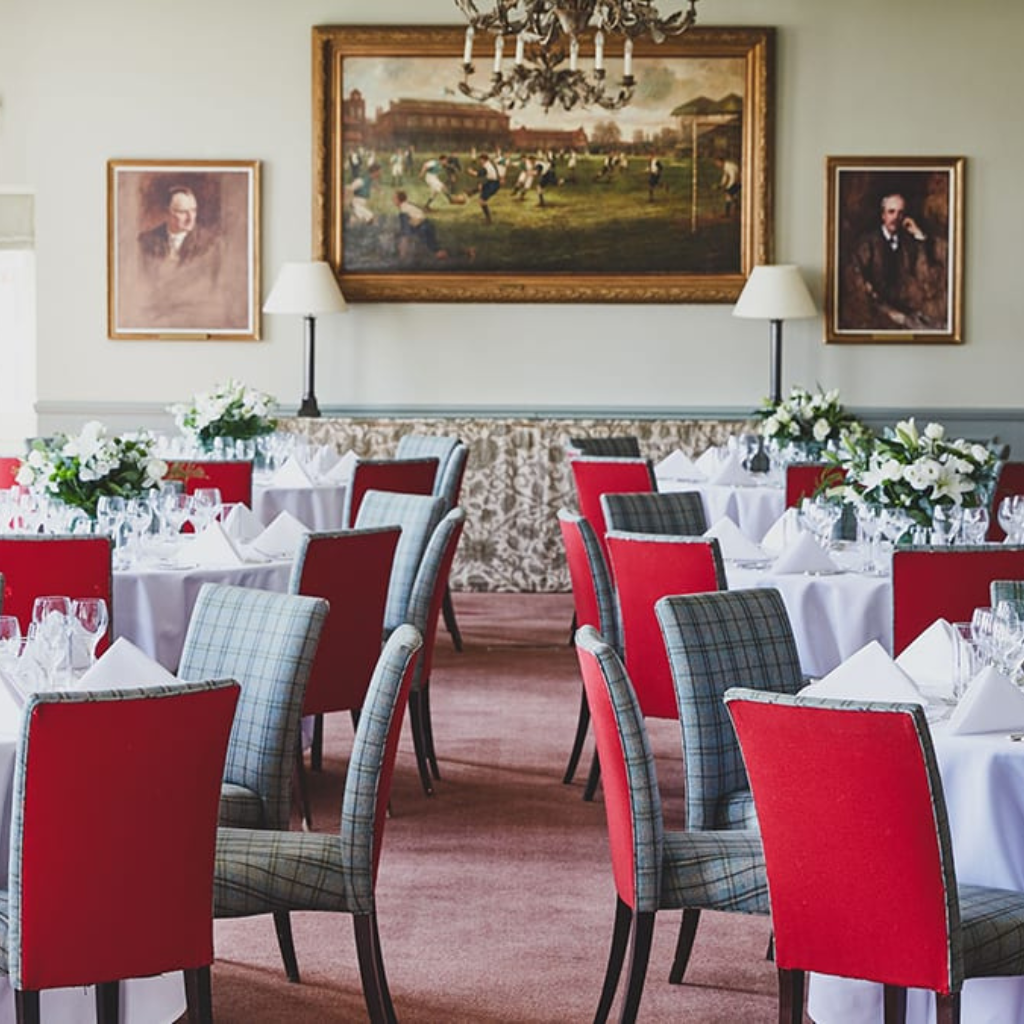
point(546, 66)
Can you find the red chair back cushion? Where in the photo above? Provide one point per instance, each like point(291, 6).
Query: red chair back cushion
point(850, 842)
point(136, 783)
point(352, 571)
point(945, 583)
point(8, 471)
point(584, 596)
point(594, 477)
point(646, 569)
point(403, 476)
point(804, 480)
point(233, 479)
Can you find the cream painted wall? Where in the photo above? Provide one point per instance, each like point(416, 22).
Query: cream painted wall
point(82, 83)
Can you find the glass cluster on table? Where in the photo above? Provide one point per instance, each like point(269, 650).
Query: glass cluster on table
point(60, 644)
point(267, 452)
point(996, 638)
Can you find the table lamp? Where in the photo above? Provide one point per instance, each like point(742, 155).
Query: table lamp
point(306, 289)
point(775, 293)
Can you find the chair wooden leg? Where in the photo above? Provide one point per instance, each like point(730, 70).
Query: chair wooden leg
point(302, 791)
point(378, 1007)
point(418, 743)
point(316, 750)
point(572, 631)
point(895, 1003)
point(108, 1002)
point(354, 712)
point(769, 953)
point(428, 731)
point(283, 927)
point(947, 1008)
point(582, 722)
point(382, 975)
point(791, 997)
point(616, 956)
point(684, 945)
point(199, 995)
point(448, 611)
point(639, 955)
point(26, 1006)
point(593, 778)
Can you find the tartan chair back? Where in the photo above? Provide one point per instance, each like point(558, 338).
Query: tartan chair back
point(676, 513)
point(267, 642)
point(622, 446)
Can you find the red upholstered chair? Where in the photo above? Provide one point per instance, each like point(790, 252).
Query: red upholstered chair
point(859, 858)
point(805, 479)
point(352, 570)
point(1010, 481)
point(136, 899)
point(402, 476)
point(33, 566)
point(946, 582)
point(596, 476)
point(645, 568)
point(232, 477)
point(9, 467)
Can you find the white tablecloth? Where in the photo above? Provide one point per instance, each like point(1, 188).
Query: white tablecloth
point(318, 506)
point(983, 780)
point(832, 616)
point(753, 509)
point(152, 606)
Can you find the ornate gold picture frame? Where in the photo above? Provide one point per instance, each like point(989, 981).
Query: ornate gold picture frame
point(894, 249)
point(183, 250)
point(591, 207)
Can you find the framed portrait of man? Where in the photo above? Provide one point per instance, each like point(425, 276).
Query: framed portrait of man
point(183, 250)
point(894, 249)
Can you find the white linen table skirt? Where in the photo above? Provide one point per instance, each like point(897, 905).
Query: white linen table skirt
point(319, 506)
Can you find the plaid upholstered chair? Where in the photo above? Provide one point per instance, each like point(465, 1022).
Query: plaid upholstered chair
point(272, 872)
point(424, 610)
point(135, 898)
point(881, 853)
point(594, 600)
point(678, 513)
point(350, 569)
point(400, 476)
point(714, 641)
point(593, 477)
point(623, 446)
point(418, 516)
point(267, 642)
point(653, 869)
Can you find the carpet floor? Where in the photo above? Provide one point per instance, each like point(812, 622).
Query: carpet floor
point(495, 895)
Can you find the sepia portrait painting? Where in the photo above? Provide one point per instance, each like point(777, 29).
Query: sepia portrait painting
point(183, 249)
point(427, 194)
point(894, 249)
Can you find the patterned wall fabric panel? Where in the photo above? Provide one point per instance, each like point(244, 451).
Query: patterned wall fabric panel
point(516, 480)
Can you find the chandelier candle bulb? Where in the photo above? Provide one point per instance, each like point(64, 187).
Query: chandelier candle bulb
point(499, 49)
point(520, 50)
point(599, 51)
point(467, 50)
point(627, 59)
point(574, 54)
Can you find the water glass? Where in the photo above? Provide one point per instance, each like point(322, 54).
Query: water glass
point(51, 632)
point(1010, 516)
point(974, 525)
point(946, 521)
point(966, 660)
point(206, 507)
point(91, 618)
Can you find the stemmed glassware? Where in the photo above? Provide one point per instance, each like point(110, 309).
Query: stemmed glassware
point(10, 636)
point(821, 516)
point(91, 618)
point(1010, 516)
point(206, 507)
point(946, 521)
point(869, 525)
point(974, 525)
point(176, 509)
point(51, 635)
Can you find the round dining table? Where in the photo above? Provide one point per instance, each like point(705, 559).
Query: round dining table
point(318, 506)
point(753, 507)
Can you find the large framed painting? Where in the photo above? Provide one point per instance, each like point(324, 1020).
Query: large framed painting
point(422, 193)
point(894, 249)
point(183, 249)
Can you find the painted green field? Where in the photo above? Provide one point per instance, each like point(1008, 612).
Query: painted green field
point(590, 225)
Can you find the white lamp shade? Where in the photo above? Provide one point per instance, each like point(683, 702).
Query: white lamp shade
point(305, 288)
point(775, 293)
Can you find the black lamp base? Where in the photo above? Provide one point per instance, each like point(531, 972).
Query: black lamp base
point(309, 406)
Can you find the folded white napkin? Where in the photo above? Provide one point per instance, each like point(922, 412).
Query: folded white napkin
point(341, 471)
point(242, 524)
point(678, 465)
point(870, 674)
point(214, 547)
point(734, 543)
point(324, 459)
point(281, 538)
point(930, 660)
point(291, 474)
point(731, 471)
point(804, 554)
point(992, 703)
point(709, 461)
point(782, 532)
point(124, 666)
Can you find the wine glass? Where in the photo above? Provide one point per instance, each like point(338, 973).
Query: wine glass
point(974, 524)
point(1010, 516)
point(51, 633)
point(982, 624)
point(91, 619)
point(10, 636)
point(869, 522)
point(177, 509)
point(206, 505)
point(946, 521)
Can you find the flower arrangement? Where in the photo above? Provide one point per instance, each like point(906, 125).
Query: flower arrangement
point(917, 470)
point(78, 470)
point(229, 410)
point(809, 420)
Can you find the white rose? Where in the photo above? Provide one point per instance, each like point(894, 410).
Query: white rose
point(935, 431)
point(36, 458)
point(770, 427)
point(891, 469)
point(822, 428)
point(156, 470)
point(981, 453)
point(26, 475)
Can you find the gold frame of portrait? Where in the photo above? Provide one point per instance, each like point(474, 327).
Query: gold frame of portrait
point(187, 309)
point(886, 175)
point(332, 45)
